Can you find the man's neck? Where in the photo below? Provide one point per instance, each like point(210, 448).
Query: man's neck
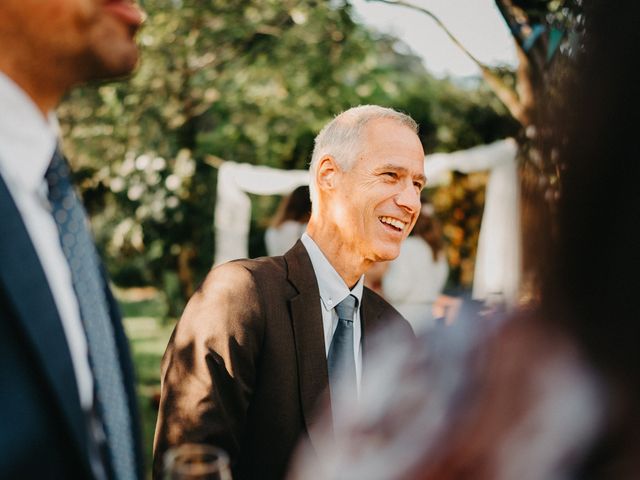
point(349, 266)
point(44, 94)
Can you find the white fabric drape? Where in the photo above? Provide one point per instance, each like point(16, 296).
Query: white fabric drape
point(233, 206)
point(497, 271)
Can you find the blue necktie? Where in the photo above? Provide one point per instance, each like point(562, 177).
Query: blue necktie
point(88, 283)
point(341, 361)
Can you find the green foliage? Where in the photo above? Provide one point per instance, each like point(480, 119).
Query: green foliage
point(250, 81)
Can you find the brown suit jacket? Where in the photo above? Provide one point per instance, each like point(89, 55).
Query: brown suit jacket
point(246, 364)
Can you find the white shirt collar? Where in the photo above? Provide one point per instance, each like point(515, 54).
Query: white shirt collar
point(332, 288)
point(27, 138)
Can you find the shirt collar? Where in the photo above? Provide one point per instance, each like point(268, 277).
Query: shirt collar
point(27, 138)
point(332, 288)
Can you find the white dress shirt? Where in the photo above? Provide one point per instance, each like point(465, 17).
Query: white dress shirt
point(332, 291)
point(27, 143)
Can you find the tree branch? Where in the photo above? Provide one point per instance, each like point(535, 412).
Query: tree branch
point(503, 91)
point(520, 26)
point(509, 14)
point(213, 161)
point(452, 37)
point(507, 96)
point(525, 87)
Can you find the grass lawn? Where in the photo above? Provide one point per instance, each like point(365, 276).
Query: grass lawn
point(148, 334)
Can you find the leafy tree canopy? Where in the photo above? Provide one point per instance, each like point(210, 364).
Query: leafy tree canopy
point(250, 81)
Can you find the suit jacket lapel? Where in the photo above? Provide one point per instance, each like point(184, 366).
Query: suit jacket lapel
point(308, 333)
point(28, 291)
point(370, 320)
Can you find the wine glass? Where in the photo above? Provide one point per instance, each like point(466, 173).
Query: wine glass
point(196, 461)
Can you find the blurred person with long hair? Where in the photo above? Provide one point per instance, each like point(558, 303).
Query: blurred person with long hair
point(289, 222)
point(552, 392)
point(415, 279)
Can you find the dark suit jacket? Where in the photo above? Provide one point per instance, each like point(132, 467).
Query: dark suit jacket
point(246, 364)
point(43, 431)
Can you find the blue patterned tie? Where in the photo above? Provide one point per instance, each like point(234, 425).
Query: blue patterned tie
point(341, 359)
point(80, 251)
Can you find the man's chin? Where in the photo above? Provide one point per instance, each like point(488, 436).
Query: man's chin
point(113, 52)
point(387, 254)
point(112, 66)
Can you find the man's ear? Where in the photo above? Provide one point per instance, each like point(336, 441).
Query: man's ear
point(327, 173)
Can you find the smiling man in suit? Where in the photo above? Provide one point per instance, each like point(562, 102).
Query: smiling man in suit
point(67, 402)
point(262, 339)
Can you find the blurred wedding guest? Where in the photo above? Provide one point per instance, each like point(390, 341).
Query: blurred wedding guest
point(67, 400)
point(553, 391)
point(289, 222)
point(263, 340)
point(413, 282)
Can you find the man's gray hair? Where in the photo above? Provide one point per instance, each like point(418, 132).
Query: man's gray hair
point(341, 138)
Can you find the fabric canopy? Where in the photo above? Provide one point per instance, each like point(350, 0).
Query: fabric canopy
point(233, 206)
point(497, 270)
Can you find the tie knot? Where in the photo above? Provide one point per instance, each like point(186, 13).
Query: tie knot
point(346, 308)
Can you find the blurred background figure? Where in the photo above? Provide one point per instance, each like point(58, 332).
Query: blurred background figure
point(289, 222)
point(414, 280)
point(550, 392)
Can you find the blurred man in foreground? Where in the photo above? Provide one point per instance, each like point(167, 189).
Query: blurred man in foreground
point(262, 339)
point(67, 401)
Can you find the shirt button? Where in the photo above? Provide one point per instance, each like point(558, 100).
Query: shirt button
point(330, 302)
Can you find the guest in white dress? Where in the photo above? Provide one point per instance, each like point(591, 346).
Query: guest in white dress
point(415, 279)
point(289, 222)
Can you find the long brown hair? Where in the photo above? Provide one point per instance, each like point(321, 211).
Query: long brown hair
point(296, 206)
point(428, 228)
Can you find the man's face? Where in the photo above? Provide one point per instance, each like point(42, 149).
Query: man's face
point(88, 39)
point(379, 197)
